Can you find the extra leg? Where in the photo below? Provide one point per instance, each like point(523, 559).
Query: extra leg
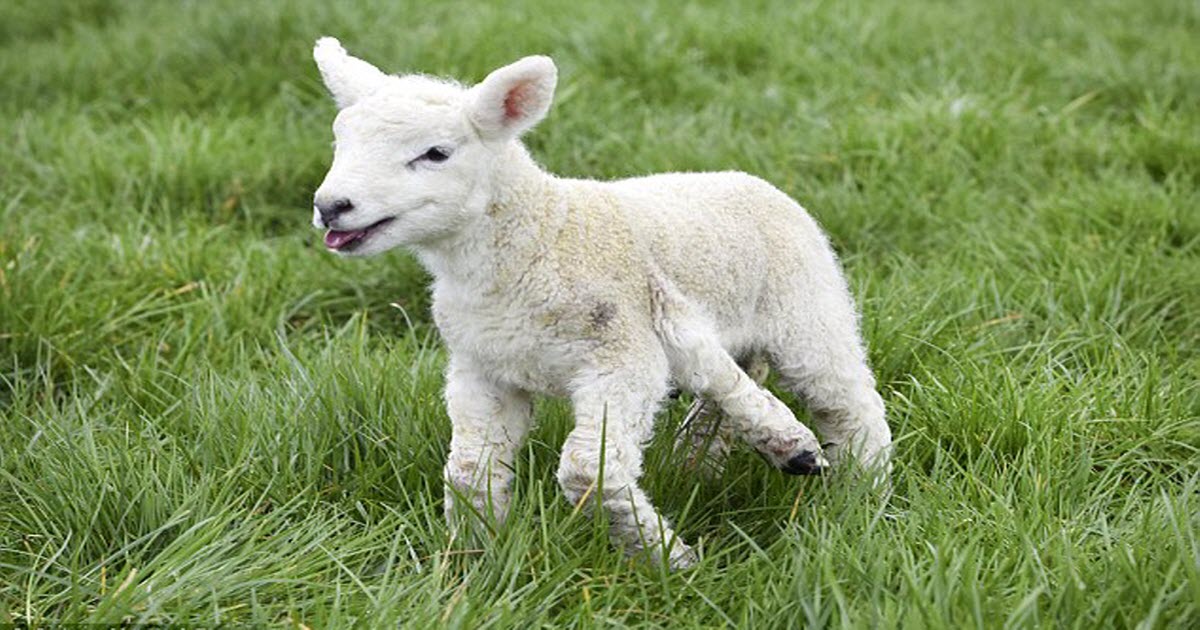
point(602, 459)
point(490, 424)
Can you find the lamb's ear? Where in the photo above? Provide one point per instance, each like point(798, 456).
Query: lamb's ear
point(348, 78)
point(514, 98)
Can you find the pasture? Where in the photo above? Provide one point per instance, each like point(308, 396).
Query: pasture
point(207, 419)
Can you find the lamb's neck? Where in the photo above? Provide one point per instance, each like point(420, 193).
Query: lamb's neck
point(506, 229)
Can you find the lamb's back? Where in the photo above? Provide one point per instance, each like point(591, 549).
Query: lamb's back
point(725, 239)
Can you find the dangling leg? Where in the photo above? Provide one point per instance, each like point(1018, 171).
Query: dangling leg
point(705, 434)
point(700, 364)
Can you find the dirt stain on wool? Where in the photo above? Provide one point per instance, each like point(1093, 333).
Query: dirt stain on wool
point(602, 315)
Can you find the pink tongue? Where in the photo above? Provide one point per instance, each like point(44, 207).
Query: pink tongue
point(336, 240)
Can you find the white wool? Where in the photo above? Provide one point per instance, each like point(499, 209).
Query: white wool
point(608, 293)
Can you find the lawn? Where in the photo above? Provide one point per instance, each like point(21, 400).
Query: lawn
point(207, 419)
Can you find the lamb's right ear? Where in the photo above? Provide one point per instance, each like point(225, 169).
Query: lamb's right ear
point(348, 78)
point(514, 98)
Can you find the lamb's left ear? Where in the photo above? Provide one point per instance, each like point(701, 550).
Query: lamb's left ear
point(514, 98)
point(348, 78)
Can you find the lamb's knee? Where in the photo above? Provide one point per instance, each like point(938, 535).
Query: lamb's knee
point(579, 477)
point(486, 490)
point(577, 485)
point(585, 479)
point(464, 477)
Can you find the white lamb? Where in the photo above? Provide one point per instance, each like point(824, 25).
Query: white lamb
point(608, 293)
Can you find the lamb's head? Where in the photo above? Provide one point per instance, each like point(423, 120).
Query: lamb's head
point(414, 157)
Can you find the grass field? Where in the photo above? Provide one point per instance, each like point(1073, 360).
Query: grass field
point(206, 419)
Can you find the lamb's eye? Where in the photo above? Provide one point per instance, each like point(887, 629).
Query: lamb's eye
point(436, 154)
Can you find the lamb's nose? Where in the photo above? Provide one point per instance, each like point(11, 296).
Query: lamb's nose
point(330, 210)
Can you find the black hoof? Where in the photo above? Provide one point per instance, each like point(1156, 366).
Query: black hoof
point(803, 464)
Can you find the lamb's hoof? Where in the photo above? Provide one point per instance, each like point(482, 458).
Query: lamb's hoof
point(682, 558)
point(677, 558)
point(806, 463)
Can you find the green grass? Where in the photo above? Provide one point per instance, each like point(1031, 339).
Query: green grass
point(205, 418)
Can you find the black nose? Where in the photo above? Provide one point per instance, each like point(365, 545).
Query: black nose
point(331, 209)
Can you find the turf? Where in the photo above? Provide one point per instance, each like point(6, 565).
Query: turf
point(206, 419)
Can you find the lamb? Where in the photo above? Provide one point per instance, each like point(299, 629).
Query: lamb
point(608, 293)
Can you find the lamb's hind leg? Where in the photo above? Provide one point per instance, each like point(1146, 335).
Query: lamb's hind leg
point(818, 354)
point(700, 364)
point(706, 436)
point(602, 458)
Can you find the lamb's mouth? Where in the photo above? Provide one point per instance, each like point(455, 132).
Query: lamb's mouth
point(348, 240)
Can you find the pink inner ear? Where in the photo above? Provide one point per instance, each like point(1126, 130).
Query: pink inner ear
point(516, 100)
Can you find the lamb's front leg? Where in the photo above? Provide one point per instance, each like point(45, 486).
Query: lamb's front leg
point(602, 460)
point(490, 423)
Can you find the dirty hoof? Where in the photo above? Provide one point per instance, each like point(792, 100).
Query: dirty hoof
point(682, 559)
point(806, 463)
point(677, 558)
